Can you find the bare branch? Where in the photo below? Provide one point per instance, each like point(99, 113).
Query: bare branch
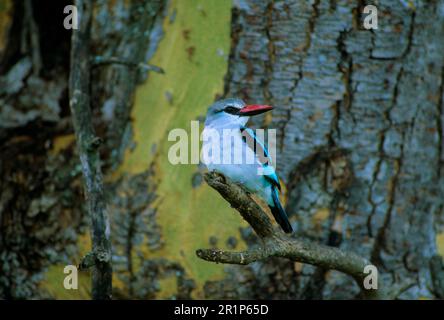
point(278, 244)
point(245, 257)
point(99, 61)
point(88, 143)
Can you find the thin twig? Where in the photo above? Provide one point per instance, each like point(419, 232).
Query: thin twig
point(88, 143)
point(100, 61)
point(277, 244)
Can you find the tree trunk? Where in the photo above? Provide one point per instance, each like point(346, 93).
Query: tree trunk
point(43, 225)
point(360, 139)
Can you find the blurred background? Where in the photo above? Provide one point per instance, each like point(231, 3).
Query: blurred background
point(359, 116)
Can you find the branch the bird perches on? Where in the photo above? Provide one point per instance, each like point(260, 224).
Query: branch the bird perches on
point(275, 243)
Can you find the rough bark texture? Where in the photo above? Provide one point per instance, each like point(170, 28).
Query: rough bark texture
point(39, 182)
point(42, 210)
point(360, 145)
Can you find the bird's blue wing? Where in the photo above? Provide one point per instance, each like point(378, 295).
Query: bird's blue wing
point(249, 137)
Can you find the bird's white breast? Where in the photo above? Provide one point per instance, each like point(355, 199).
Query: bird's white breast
point(232, 160)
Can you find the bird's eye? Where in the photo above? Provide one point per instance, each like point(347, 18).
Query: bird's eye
point(231, 110)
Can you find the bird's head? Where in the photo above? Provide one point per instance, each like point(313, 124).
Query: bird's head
point(233, 111)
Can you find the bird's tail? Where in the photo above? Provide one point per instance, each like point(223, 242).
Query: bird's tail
point(279, 213)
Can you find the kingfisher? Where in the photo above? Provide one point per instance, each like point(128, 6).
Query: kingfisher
point(231, 148)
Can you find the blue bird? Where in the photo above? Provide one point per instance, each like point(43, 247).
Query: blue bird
point(229, 147)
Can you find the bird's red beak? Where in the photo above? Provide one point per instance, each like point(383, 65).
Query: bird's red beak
point(254, 109)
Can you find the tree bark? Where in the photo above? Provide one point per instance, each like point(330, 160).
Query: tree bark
point(360, 139)
point(42, 220)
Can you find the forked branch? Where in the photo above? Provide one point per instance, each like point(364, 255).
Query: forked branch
point(277, 244)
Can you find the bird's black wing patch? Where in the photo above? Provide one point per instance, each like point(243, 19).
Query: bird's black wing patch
point(262, 155)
